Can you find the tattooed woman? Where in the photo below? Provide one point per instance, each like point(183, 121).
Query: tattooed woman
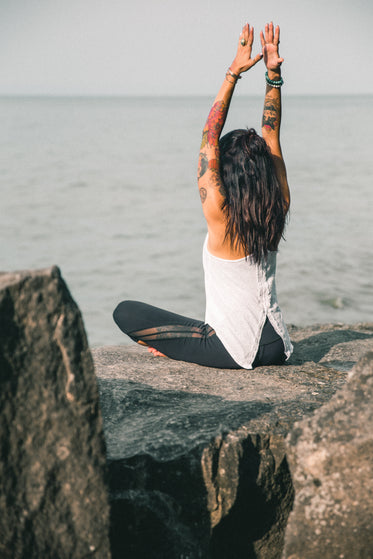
point(245, 197)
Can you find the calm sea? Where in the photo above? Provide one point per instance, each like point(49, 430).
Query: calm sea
point(106, 189)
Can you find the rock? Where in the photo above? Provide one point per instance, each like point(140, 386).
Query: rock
point(338, 346)
point(53, 498)
point(331, 458)
point(197, 459)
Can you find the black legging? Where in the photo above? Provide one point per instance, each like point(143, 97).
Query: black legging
point(187, 339)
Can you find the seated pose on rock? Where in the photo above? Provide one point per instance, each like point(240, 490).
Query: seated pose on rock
point(245, 197)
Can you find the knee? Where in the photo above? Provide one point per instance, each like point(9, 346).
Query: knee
point(123, 315)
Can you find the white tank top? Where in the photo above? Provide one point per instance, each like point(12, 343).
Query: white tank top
point(239, 296)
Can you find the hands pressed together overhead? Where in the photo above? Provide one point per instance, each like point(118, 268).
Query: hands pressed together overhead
point(210, 183)
point(270, 40)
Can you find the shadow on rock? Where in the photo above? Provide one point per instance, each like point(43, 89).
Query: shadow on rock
point(315, 347)
point(254, 526)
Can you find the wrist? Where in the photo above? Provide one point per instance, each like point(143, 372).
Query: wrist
point(274, 74)
point(235, 68)
point(274, 83)
point(231, 76)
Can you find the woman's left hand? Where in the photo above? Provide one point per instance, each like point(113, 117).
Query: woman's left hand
point(270, 40)
point(243, 60)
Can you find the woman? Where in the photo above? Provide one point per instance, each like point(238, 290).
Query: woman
point(245, 197)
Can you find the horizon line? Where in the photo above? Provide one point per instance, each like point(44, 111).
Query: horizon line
point(163, 95)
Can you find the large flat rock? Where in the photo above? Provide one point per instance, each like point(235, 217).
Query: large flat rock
point(196, 455)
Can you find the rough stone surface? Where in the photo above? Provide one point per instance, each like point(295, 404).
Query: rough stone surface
point(196, 455)
point(53, 499)
point(331, 458)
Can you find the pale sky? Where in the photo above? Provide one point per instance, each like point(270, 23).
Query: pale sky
point(173, 47)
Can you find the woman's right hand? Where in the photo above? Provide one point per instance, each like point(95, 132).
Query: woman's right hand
point(243, 60)
point(270, 40)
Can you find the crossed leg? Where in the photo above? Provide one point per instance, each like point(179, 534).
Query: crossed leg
point(173, 335)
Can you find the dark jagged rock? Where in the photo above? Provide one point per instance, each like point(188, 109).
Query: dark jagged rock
point(53, 499)
point(331, 457)
point(196, 455)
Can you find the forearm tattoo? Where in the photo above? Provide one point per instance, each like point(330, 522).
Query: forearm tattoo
point(204, 139)
point(271, 113)
point(214, 124)
point(210, 138)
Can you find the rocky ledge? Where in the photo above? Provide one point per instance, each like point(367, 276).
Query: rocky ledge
point(199, 457)
point(202, 463)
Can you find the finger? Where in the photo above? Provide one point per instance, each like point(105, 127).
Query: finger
point(247, 34)
point(244, 34)
point(256, 59)
point(276, 39)
point(251, 36)
point(262, 39)
point(270, 34)
point(266, 32)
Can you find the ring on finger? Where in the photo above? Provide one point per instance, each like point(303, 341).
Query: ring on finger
point(243, 42)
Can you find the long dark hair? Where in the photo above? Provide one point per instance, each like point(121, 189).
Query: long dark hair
point(254, 203)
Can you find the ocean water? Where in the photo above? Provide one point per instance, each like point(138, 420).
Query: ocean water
point(106, 189)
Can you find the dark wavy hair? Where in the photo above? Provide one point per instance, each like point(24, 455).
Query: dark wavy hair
point(254, 203)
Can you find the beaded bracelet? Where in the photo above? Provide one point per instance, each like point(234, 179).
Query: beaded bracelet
point(274, 83)
point(236, 76)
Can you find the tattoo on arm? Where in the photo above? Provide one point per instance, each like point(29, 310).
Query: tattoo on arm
point(217, 183)
point(214, 124)
point(204, 139)
point(214, 164)
point(210, 138)
point(221, 188)
point(269, 122)
point(203, 164)
point(203, 194)
point(271, 113)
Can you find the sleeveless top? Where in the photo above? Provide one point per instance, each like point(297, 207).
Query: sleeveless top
point(240, 295)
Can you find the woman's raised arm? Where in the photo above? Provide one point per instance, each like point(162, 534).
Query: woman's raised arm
point(209, 181)
point(271, 120)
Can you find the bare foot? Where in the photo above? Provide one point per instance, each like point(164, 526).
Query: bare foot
point(155, 352)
